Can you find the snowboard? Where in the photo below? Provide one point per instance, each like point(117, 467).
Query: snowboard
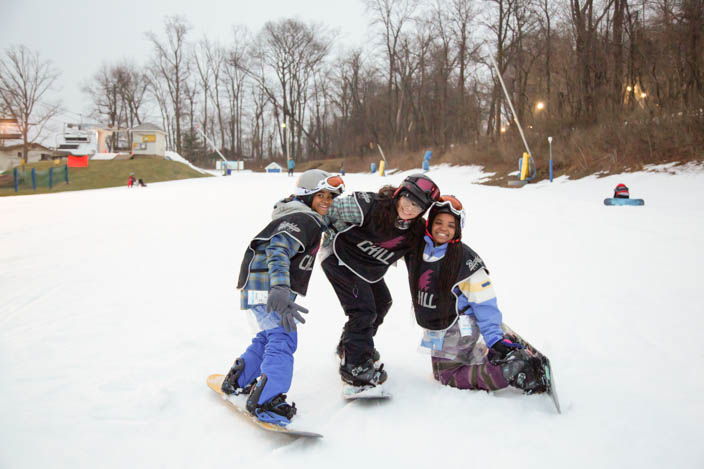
point(351, 392)
point(239, 403)
point(545, 362)
point(614, 201)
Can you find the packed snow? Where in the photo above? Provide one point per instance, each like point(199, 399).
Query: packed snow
point(116, 304)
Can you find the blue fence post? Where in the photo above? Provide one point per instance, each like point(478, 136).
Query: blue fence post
point(51, 178)
point(34, 179)
point(16, 180)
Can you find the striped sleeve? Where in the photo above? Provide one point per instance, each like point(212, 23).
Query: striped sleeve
point(476, 295)
point(345, 211)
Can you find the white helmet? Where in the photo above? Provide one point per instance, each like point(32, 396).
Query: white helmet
point(315, 180)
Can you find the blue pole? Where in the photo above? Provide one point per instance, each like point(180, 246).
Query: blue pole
point(550, 144)
point(34, 179)
point(66, 172)
point(16, 179)
point(51, 178)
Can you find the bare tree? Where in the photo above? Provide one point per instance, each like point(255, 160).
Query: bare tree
point(585, 23)
point(291, 52)
point(392, 15)
point(462, 16)
point(546, 26)
point(104, 92)
point(133, 88)
point(160, 94)
point(236, 63)
point(202, 57)
point(24, 81)
point(500, 27)
point(171, 61)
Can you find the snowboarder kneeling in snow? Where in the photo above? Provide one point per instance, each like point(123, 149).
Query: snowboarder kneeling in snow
point(454, 302)
point(276, 267)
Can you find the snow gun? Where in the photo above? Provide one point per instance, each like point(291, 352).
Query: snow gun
point(382, 162)
point(525, 162)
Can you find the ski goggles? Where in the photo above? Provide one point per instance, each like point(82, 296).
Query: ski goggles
point(426, 185)
point(451, 203)
point(332, 183)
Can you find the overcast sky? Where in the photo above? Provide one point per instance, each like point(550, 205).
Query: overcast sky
point(79, 35)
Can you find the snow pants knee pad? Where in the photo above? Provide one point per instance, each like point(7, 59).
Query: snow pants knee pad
point(486, 377)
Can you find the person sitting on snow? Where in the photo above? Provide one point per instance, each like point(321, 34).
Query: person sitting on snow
point(276, 267)
point(621, 192)
point(454, 302)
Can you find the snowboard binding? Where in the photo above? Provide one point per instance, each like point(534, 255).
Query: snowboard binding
point(362, 375)
point(524, 371)
point(230, 383)
point(276, 410)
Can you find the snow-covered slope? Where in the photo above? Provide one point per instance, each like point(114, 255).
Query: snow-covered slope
point(116, 304)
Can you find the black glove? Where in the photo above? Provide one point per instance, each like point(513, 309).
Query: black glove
point(280, 301)
point(502, 350)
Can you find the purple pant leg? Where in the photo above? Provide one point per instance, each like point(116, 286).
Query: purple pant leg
point(459, 375)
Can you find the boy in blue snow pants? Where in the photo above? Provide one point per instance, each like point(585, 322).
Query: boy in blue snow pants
point(271, 351)
point(276, 268)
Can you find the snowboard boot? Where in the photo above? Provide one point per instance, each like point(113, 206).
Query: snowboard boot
point(362, 375)
point(276, 410)
point(524, 372)
point(230, 383)
point(532, 379)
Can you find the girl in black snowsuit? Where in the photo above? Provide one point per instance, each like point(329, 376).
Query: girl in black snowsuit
point(370, 232)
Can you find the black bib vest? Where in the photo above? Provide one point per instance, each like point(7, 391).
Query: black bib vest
point(303, 227)
point(427, 299)
point(365, 249)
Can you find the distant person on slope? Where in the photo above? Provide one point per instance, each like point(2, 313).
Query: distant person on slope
point(276, 267)
point(621, 192)
point(131, 180)
point(455, 303)
point(291, 166)
point(370, 231)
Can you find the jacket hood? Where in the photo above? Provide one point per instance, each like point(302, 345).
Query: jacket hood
point(290, 206)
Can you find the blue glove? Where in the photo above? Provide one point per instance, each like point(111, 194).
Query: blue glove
point(503, 350)
point(280, 301)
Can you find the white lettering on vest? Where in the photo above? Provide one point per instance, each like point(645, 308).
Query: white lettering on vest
point(307, 263)
point(425, 299)
point(381, 254)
